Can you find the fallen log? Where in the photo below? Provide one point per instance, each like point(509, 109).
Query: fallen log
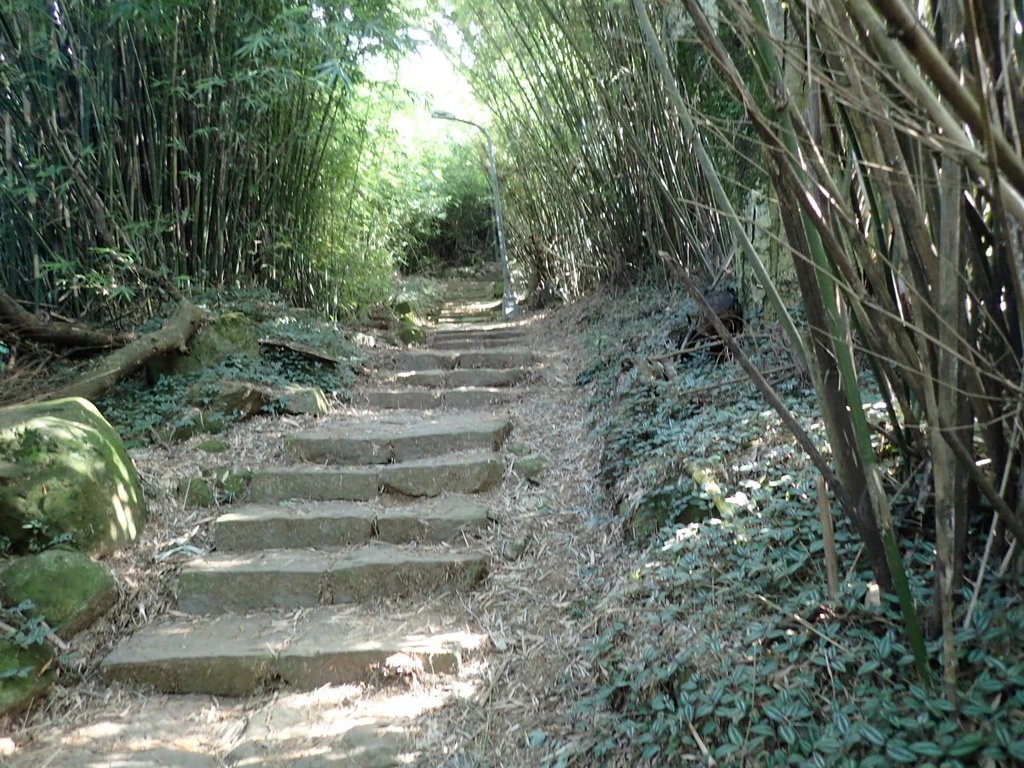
point(174, 334)
point(59, 333)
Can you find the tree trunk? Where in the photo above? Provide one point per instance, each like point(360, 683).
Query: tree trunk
point(25, 325)
point(174, 334)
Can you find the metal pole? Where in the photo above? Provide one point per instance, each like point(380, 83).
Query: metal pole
point(509, 308)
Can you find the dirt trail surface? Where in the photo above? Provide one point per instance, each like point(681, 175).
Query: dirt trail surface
point(549, 546)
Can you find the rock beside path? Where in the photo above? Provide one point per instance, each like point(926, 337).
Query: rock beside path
point(65, 471)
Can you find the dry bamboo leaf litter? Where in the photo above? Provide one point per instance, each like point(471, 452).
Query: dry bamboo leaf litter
point(544, 543)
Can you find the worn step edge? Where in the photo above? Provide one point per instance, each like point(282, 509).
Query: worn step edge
point(313, 525)
point(240, 655)
point(409, 398)
point(384, 441)
point(298, 578)
point(438, 360)
point(470, 472)
point(460, 377)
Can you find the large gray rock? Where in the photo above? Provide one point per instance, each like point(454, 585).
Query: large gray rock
point(64, 470)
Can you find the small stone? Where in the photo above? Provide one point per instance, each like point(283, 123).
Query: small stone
point(530, 466)
point(516, 548)
point(300, 401)
point(214, 446)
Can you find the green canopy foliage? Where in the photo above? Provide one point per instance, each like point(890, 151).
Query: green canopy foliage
point(240, 143)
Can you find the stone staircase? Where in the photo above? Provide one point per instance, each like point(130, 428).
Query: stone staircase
point(340, 561)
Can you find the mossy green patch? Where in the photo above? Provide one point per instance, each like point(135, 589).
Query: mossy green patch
point(196, 492)
point(68, 588)
point(233, 483)
point(228, 335)
point(21, 675)
point(214, 446)
point(409, 332)
point(530, 466)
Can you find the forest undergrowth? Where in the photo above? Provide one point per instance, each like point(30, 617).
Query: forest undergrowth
point(725, 648)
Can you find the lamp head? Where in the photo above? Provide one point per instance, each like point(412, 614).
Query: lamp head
point(442, 115)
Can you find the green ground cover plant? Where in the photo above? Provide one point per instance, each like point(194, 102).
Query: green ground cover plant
point(726, 644)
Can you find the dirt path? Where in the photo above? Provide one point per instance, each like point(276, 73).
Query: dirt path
point(549, 550)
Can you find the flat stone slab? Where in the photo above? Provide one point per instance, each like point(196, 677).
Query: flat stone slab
point(296, 578)
point(479, 336)
point(471, 344)
point(466, 307)
point(429, 399)
point(435, 360)
point(397, 399)
point(312, 525)
point(385, 440)
point(477, 397)
point(241, 655)
point(461, 377)
point(294, 524)
point(426, 360)
point(440, 519)
point(318, 483)
point(492, 331)
point(469, 472)
point(465, 473)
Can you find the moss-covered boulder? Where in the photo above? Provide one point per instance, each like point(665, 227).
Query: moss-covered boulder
point(65, 471)
point(230, 334)
point(69, 590)
point(24, 674)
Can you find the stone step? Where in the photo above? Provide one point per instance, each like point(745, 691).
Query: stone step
point(425, 399)
point(481, 319)
point(446, 360)
point(465, 305)
point(314, 483)
point(386, 440)
point(484, 336)
point(460, 377)
point(470, 472)
point(496, 329)
point(302, 578)
point(462, 473)
point(243, 655)
point(472, 343)
point(311, 524)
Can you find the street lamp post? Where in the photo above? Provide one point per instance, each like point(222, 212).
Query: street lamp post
point(508, 301)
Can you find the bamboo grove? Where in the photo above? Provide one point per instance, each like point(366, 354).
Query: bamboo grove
point(193, 143)
point(853, 157)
